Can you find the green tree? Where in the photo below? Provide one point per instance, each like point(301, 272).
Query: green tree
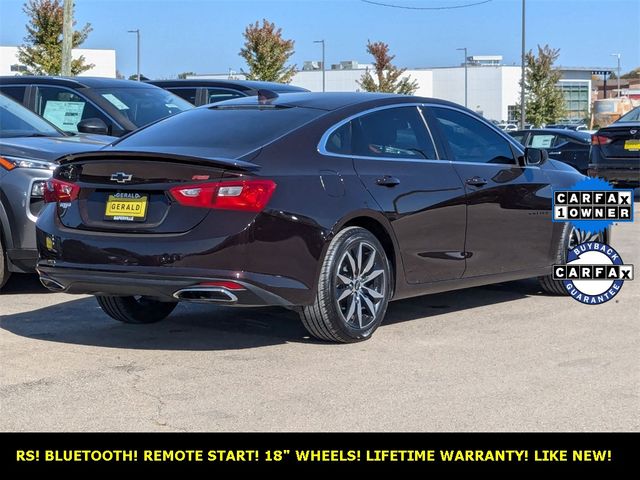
point(42, 51)
point(266, 53)
point(387, 76)
point(544, 101)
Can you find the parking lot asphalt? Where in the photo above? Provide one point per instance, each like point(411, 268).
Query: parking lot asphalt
point(498, 358)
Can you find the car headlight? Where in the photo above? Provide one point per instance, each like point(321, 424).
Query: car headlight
point(9, 163)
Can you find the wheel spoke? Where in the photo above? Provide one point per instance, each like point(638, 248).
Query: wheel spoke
point(370, 306)
point(359, 312)
point(360, 248)
point(372, 275)
point(344, 279)
point(352, 309)
point(370, 262)
point(352, 262)
point(372, 293)
point(344, 294)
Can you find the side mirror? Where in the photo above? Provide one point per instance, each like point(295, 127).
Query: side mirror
point(535, 156)
point(93, 125)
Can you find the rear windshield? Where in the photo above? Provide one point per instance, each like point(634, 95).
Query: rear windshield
point(223, 131)
point(632, 116)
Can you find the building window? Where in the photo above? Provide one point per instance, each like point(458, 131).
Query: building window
point(576, 99)
point(511, 113)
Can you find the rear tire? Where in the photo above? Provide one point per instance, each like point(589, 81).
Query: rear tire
point(137, 310)
point(570, 238)
point(4, 267)
point(354, 289)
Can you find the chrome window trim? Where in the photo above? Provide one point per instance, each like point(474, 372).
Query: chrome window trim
point(322, 150)
point(75, 92)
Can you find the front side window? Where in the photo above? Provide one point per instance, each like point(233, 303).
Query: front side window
point(220, 94)
point(188, 94)
point(543, 140)
point(392, 133)
point(64, 108)
point(470, 140)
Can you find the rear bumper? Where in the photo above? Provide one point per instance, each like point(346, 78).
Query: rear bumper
point(162, 287)
point(618, 176)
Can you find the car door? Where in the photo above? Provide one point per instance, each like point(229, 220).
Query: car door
point(509, 225)
point(65, 109)
point(422, 196)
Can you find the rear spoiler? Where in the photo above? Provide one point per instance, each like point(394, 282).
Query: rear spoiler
point(227, 163)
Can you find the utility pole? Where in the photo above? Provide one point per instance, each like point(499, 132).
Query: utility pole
point(137, 32)
point(466, 98)
point(522, 75)
point(67, 37)
point(323, 66)
point(618, 55)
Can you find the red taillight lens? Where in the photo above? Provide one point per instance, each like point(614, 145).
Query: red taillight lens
point(58, 191)
point(247, 195)
point(600, 140)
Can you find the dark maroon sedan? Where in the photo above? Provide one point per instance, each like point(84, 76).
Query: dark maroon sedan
point(332, 204)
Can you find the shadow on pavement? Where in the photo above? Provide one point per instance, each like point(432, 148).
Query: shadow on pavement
point(20, 283)
point(202, 327)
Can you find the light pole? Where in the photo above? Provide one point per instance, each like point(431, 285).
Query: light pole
point(522, 74)
point(618, 74)
point(465, 75)
point(137, 32)
point(323, 69)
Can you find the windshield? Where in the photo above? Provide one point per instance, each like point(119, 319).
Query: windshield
point(17, 121)
point(144, 105)
point(632, 116)
point(228, 132)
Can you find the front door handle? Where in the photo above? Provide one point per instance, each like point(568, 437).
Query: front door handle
point(388, 181)
point(476, 181)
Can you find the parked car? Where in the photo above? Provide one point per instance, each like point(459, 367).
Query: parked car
point(328, 203)
point(615, 151)
point(567, 146)
point(28, 147)
point(93, 105)
point(578, 127)
point(205, 91)
point(507, 127)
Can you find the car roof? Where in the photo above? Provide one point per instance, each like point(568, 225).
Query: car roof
point(333, 100)
point(74, 82)
point(242, 85)
point(579, 135)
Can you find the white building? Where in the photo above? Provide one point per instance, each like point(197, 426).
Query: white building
point(104, 61)
point(493, 89)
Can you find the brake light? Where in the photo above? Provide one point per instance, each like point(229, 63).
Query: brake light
point(59, 191)
point(247, 195)
point(600, 140)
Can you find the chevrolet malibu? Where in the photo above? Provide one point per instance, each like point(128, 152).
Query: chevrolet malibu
point(329, 204)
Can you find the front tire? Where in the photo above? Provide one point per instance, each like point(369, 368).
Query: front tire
point(571, 237)
point(354, 289)
point(137, 310)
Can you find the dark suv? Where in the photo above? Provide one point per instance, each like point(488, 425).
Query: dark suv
point(205, 91)
point(106, 106)
point(615, 151)
point(29, 147)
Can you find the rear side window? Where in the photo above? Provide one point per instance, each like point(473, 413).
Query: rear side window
point(220, 94)
point(470, 140)
point(229, 132)
point(16, 92)
point(188, 94)
point(518, 137)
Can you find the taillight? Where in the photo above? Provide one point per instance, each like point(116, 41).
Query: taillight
point(600, 140)
point(247, 195)
point(58, 191)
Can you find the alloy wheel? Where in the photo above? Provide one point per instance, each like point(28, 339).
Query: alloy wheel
point(576, 237)
point(360, 285)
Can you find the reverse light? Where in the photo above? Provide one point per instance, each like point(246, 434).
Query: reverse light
point(60, 191)
point(246, 195)
point(600, 140)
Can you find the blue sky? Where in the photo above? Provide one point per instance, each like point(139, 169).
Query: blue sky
point(205, 36)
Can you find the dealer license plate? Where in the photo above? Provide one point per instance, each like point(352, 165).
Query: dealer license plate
point(632, 144)
point(126, 207)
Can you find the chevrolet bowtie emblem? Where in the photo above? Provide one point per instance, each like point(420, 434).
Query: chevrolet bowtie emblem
point(121, 177)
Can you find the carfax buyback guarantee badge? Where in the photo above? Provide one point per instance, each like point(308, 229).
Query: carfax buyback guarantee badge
point(594, 272)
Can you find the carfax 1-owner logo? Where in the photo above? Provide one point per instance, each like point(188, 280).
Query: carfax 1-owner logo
point(593, 272)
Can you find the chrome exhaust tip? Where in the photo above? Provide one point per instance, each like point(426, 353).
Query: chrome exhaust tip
point(52, 284)
point(206, 295)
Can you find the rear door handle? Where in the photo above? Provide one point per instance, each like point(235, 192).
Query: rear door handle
point(388, 181)
point(476, 181)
